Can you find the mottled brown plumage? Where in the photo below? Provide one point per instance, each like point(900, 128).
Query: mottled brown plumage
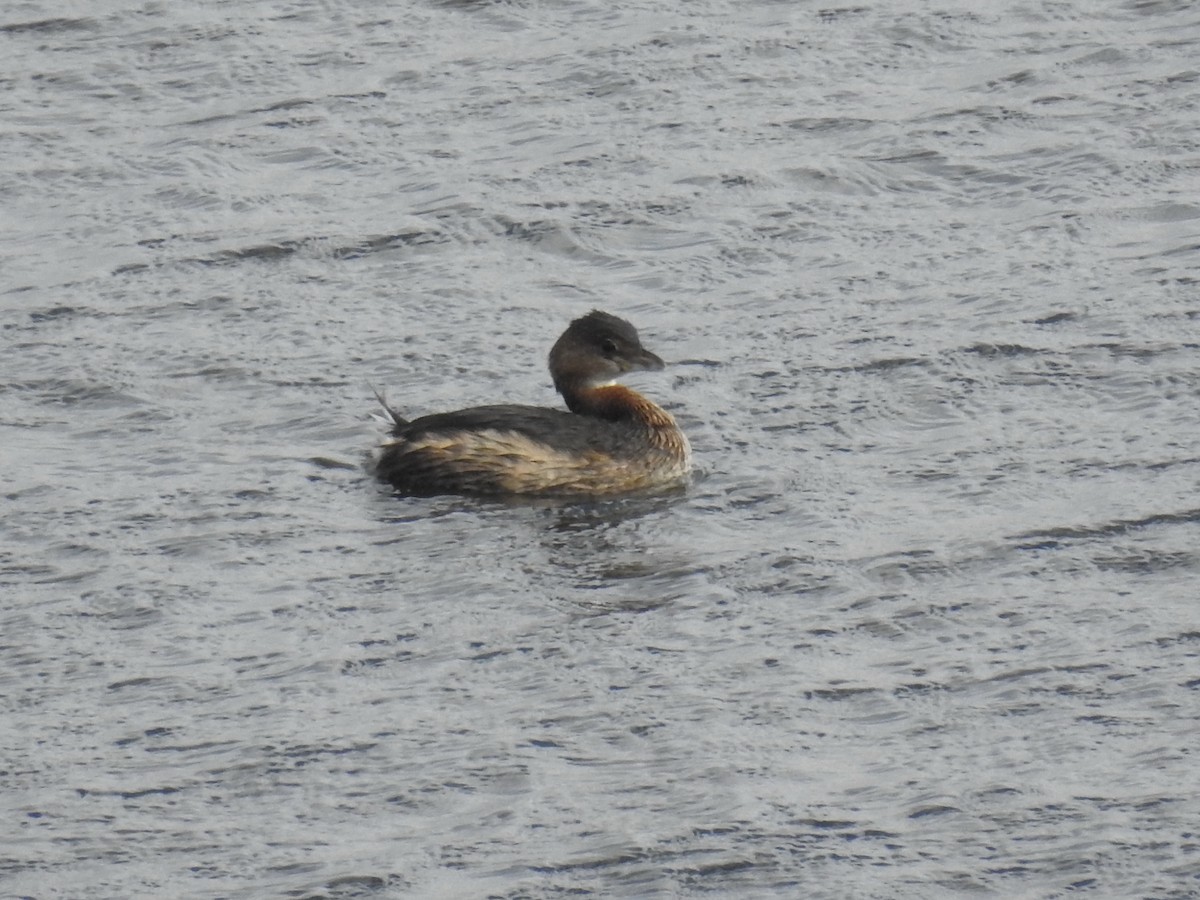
point(613, 440)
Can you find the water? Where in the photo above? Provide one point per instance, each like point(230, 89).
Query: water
point(924, 626)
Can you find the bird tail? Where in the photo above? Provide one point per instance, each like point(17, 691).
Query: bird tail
point(390, 416)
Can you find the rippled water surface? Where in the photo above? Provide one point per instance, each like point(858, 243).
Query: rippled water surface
point(926, 623)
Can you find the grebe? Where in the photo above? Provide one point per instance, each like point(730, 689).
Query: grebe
point(613, 440)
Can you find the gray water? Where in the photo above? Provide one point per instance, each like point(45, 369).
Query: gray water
point(925, 624)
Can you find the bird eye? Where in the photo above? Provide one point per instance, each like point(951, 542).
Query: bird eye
point(609, 346)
